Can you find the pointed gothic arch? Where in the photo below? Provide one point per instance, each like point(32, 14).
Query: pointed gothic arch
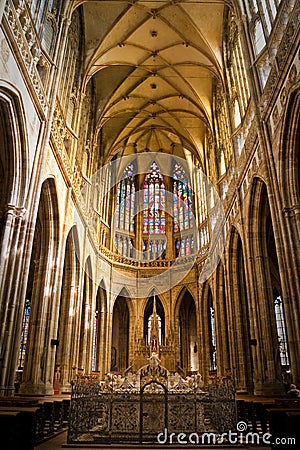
point(120, 333)
point(289, 152)
point(99, 316)
point(222, 322)
point(66, 355)
point(13, 184)
point(13, 146)
point(212, 335)
point(187, 332)
point(148, 310)
point(38, 363)
point(208, 332)
point(289, 184)
point(271, 339)
point(85, 340)
point(239, 314)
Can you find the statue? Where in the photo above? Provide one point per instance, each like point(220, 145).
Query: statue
point(154, 360)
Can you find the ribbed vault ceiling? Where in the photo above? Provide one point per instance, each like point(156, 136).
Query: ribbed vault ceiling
point(154, 64)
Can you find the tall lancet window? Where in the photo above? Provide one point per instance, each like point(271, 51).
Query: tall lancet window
point(124, 217)
point(154, 201)
point(95, 339)
point(151, 307)
point(182, 211)
point(212, 336)
point(281, 331)
point(125, 200)
point(183, 214)
point(24, 336)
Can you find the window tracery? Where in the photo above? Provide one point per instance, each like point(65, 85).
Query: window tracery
point(222, 130)
point(70, 70)
point(183, 217)
point(182, 199)
point(95, 339)
point(39, 9)
point(212, 329)
point(153, 219)
point(154, 201)
point(259, 37)
point(125, 212)
point(24, 335)
point(126, 199)
point(262, 15)
point(281, 331)
point(237, 76)
point(154, 248)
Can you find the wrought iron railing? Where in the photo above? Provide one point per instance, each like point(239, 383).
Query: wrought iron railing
point(147, 405)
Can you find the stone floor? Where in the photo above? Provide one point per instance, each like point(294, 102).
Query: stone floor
point(60, 441)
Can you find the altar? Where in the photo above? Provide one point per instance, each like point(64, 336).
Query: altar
point(146, 405)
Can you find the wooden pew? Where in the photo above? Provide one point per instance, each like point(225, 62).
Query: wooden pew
point(51, 415)
point(9, 430)
point(24, 426)
point(282, 423)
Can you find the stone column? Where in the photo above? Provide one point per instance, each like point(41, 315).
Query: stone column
point(266, 356)
point(290, 285)
point(67, 362)
point(89, 324)
point(39, 352)
point(84, 329)
point(238, 319)
point(204, 341)
point(11, 309)
point(103, 342)
point(223, 357)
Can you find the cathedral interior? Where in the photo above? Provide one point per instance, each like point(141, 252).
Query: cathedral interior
point(149, 169)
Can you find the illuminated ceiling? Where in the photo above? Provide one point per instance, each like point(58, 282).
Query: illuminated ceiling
point(154, 64)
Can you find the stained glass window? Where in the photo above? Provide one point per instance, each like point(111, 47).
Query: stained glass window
point(182, 195)
point(24, 335)
point(184, 246)
point(125, 199)
point(281, 331)
point(154, 249)
point(154, 201)
point(154, 216)
point(95, 340)
point(124, 245)
point(213, 361)
point(182, 211)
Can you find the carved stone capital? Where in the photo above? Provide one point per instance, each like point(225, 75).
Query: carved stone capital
point(291, 211)
point(15, 211)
